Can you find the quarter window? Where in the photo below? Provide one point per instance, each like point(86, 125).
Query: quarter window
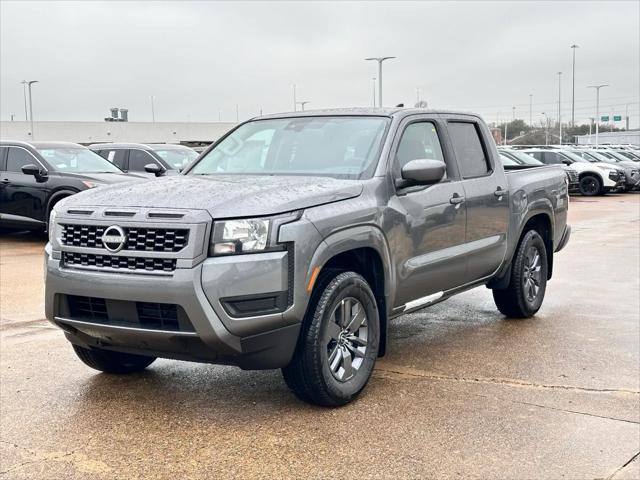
point(18, 158)
point(468, 149)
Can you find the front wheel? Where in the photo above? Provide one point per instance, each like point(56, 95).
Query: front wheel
point(339, 342)
point(590, 185)
point(112, 362)
point(523, 297)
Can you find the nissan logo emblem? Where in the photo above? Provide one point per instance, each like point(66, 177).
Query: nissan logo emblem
point(114, 239)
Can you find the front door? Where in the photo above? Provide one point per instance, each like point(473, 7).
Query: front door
point(427, 223)
point(24, 196)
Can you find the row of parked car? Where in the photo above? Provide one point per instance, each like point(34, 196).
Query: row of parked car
point(591, 170)
point(34, 176)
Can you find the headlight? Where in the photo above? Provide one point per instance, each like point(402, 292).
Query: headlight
point(249, 235)
point(52, 221)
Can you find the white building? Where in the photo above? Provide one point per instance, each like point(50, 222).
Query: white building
point(135, 132)
point(614, 138)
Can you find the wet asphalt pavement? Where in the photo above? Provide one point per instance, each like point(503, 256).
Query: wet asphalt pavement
point(462, 393)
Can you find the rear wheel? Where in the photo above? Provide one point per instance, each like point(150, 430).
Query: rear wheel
point(525, 293)
point(339, 341)
point(112, 362)
point(590, 185)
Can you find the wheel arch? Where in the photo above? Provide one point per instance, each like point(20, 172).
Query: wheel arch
point(364, 250)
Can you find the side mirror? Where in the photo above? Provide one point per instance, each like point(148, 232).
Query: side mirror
point(154, 168)
point(423, 172)
point(566, 162)
point(34, 170)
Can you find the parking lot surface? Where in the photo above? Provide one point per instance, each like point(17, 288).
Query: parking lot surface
point(462, 393)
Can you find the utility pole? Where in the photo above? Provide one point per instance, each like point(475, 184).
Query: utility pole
point(153, 110)
point(237, 114)
point(504, 142)
point(626, 117)
point(29, 83)
point(559, 109)
point(573, 87)
point(546, 129)
point(531, 110)
point(295, 104)
point(219, 115)
point(373, 98)
point(24, 91)
point(513, 116)
point(379, 60)
point(417, 96)
point(598, 87)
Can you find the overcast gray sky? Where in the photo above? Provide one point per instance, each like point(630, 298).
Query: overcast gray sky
point(200, 58)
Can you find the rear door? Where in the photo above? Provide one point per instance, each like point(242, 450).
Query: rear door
point(486, 193)
point(428, 221)
point(24, 197)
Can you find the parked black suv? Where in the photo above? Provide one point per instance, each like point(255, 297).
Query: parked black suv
point(151, 158)
point(34, 176)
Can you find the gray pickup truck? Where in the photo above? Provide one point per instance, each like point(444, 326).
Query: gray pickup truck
point(295, 239)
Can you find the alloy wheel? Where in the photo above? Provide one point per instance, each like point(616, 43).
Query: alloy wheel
point(532, 274)
point(346, 339)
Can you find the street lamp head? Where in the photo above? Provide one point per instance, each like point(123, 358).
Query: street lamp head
point(575, 46)
point(32, 82)
point(379, 59)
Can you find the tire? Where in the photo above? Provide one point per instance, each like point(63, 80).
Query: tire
point(112, 362)
point(590, 186)
point(525, 293)
point(334, 359)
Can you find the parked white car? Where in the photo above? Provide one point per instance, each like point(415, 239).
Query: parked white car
point(593, 178)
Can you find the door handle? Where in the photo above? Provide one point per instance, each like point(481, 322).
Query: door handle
point(499, 192)
point(5, 181)
point(456, 199)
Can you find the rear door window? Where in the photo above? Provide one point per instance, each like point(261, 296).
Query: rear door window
point(470, 153)
point(115, 156)
point(551, 158)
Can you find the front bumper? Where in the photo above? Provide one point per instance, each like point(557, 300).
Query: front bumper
point(243, 310)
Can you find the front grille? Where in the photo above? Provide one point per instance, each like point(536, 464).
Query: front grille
point(147, 315)
point(138, 239)
point(573, 176)
point(119, 262)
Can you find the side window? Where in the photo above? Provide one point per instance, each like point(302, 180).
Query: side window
point(551, 158)
point(419, 141)
point(537, 156)
point(3, 154)
point(138, 159)
point(18, 158)
point(467, 145)
point(114, 156)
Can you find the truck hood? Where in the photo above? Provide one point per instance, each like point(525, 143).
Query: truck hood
point(223, 196)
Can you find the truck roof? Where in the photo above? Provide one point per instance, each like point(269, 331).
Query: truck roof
point(364, 111)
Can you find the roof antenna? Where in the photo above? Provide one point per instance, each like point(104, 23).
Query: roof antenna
point(400, 105)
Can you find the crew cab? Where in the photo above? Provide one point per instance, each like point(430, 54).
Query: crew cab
point(150, 159)
point(35, 176)
point(296, 239)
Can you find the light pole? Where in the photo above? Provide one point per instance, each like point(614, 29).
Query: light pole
point(597, 87)
point(531, 110)
point(24, 92)
point(546, 129)
point(153, 110)
point(379, 60)
point(29, 83)
point(559, 109)
point(295, 104)
point(374, 91)
point(513, 116)
point(302, 104)
point(573, 87)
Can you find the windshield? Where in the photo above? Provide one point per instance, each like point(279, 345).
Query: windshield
point(177, 158)
point(599, 157)
point(586, 156)
point(573, 157)
point(526, 159)
point(629, 155)
point(339, 147)
point(77, 160)
point(507, 161)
